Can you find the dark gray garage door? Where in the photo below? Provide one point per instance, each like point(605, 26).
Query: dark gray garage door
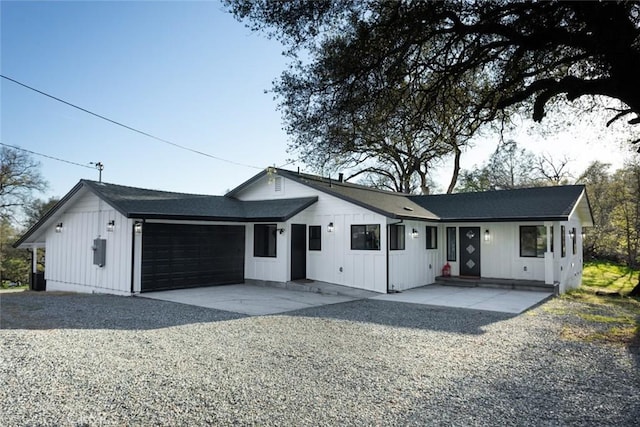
point(182, 256)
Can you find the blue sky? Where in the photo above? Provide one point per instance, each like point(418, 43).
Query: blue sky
point(187, 72)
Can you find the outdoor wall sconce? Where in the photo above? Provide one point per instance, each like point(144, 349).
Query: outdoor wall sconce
point(572, 234)
point(59, 228)
point(487, 236)
point(111, 225)
point(137, 227)
point(414, 233)
point(281, 230)
point(330, 227)
point(584, 234)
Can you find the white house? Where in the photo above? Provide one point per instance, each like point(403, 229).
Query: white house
point(282, 226)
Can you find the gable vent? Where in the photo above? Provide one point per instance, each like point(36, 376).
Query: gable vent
point(407, 208)
point(278, 184)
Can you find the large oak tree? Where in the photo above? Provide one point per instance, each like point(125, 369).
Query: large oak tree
point(351, 55)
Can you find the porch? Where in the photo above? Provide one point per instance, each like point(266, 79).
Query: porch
point(488, 282)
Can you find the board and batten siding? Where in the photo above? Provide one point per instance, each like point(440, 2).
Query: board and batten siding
point(335, 262)
point(415, 265)
point(500, 254)
point(69, 259)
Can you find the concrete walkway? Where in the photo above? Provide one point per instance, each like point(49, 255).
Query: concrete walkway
point(263, 300)
point(488, 299)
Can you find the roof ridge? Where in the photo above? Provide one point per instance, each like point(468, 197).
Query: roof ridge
point(332, 181)
point(97, 184)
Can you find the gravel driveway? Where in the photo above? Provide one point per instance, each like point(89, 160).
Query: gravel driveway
point(103, 360)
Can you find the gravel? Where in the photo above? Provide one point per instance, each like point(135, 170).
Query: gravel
point(68, 359)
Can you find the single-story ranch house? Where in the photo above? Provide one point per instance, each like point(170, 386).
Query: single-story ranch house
point(282, 226)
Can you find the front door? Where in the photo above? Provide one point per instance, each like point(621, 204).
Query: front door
point(298, 251)
point(469, 251)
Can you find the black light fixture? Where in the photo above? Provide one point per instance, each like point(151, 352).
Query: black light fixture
point(330, 227)
point(137, 226)
point(487, 235)
point(111, 225)
point(414, 233)
point(281, 230)
point(59, 228)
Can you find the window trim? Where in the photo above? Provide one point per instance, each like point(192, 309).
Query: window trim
point(537, 235)
point(397, 237)
point(317, 228)
point(563, 241)
point(431, 236)
point(452, 244)
point(375, 227)
point(269, 228)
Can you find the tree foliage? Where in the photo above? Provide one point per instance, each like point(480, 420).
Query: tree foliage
point(19, 178)
point(513, 167)
point(615, 205)
point(368, 61)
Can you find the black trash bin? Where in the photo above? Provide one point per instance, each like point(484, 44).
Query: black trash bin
point(37, 282)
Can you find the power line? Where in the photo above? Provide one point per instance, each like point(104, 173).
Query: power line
point(128, 127)
point(47, 156)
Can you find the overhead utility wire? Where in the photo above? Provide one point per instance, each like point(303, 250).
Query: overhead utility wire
point(128, 127)
point(47, 156)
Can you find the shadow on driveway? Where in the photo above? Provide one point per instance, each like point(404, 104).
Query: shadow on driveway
point(406, 315)
point(52, 310)
point(61, 310)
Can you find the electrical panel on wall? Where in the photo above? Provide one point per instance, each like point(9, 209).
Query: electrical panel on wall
point(99, 252)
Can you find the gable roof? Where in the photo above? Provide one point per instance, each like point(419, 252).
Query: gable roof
point(142, 203)
point(524, 204)
point(387, 203)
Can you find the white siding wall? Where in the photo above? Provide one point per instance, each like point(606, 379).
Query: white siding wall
point(570, 274)
point(336, 262)
point(69, 260)
point(416, 265)
point(500, 255)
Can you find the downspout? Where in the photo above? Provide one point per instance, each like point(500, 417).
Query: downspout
point(388, 244)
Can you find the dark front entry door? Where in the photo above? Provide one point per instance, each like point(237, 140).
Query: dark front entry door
point(469, 251)
point(298, 251)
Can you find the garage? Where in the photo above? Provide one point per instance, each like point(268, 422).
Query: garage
point(176, 256)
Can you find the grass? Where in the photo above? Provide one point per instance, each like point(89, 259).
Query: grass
point(607, 276)
point(610, 317)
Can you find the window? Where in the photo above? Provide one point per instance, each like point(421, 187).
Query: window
point(451, 244)
point(533, 241)
point(431, 235)
point(365, 237)
point(396, 237)
point(264, 240)
point(574, 238)
point(563, 241)
point(315, 238)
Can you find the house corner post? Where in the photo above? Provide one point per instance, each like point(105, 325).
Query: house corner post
point(548, 256)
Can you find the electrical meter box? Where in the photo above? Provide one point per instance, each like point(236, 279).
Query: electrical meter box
point(99, 252)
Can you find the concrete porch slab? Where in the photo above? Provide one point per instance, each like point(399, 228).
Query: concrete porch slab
point(488, 299)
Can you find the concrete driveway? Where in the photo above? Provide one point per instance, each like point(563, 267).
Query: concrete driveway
point(258, 300)
point(248, 299)
point(487, 299)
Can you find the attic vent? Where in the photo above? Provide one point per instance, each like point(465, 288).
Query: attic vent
point(278, 184)
point(407, 208)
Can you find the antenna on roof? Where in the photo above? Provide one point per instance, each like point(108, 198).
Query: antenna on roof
point(100, 167)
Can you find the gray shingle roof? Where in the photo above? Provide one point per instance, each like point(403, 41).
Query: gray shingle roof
point(142, 203)
point(540, 203)
point(393, 205)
